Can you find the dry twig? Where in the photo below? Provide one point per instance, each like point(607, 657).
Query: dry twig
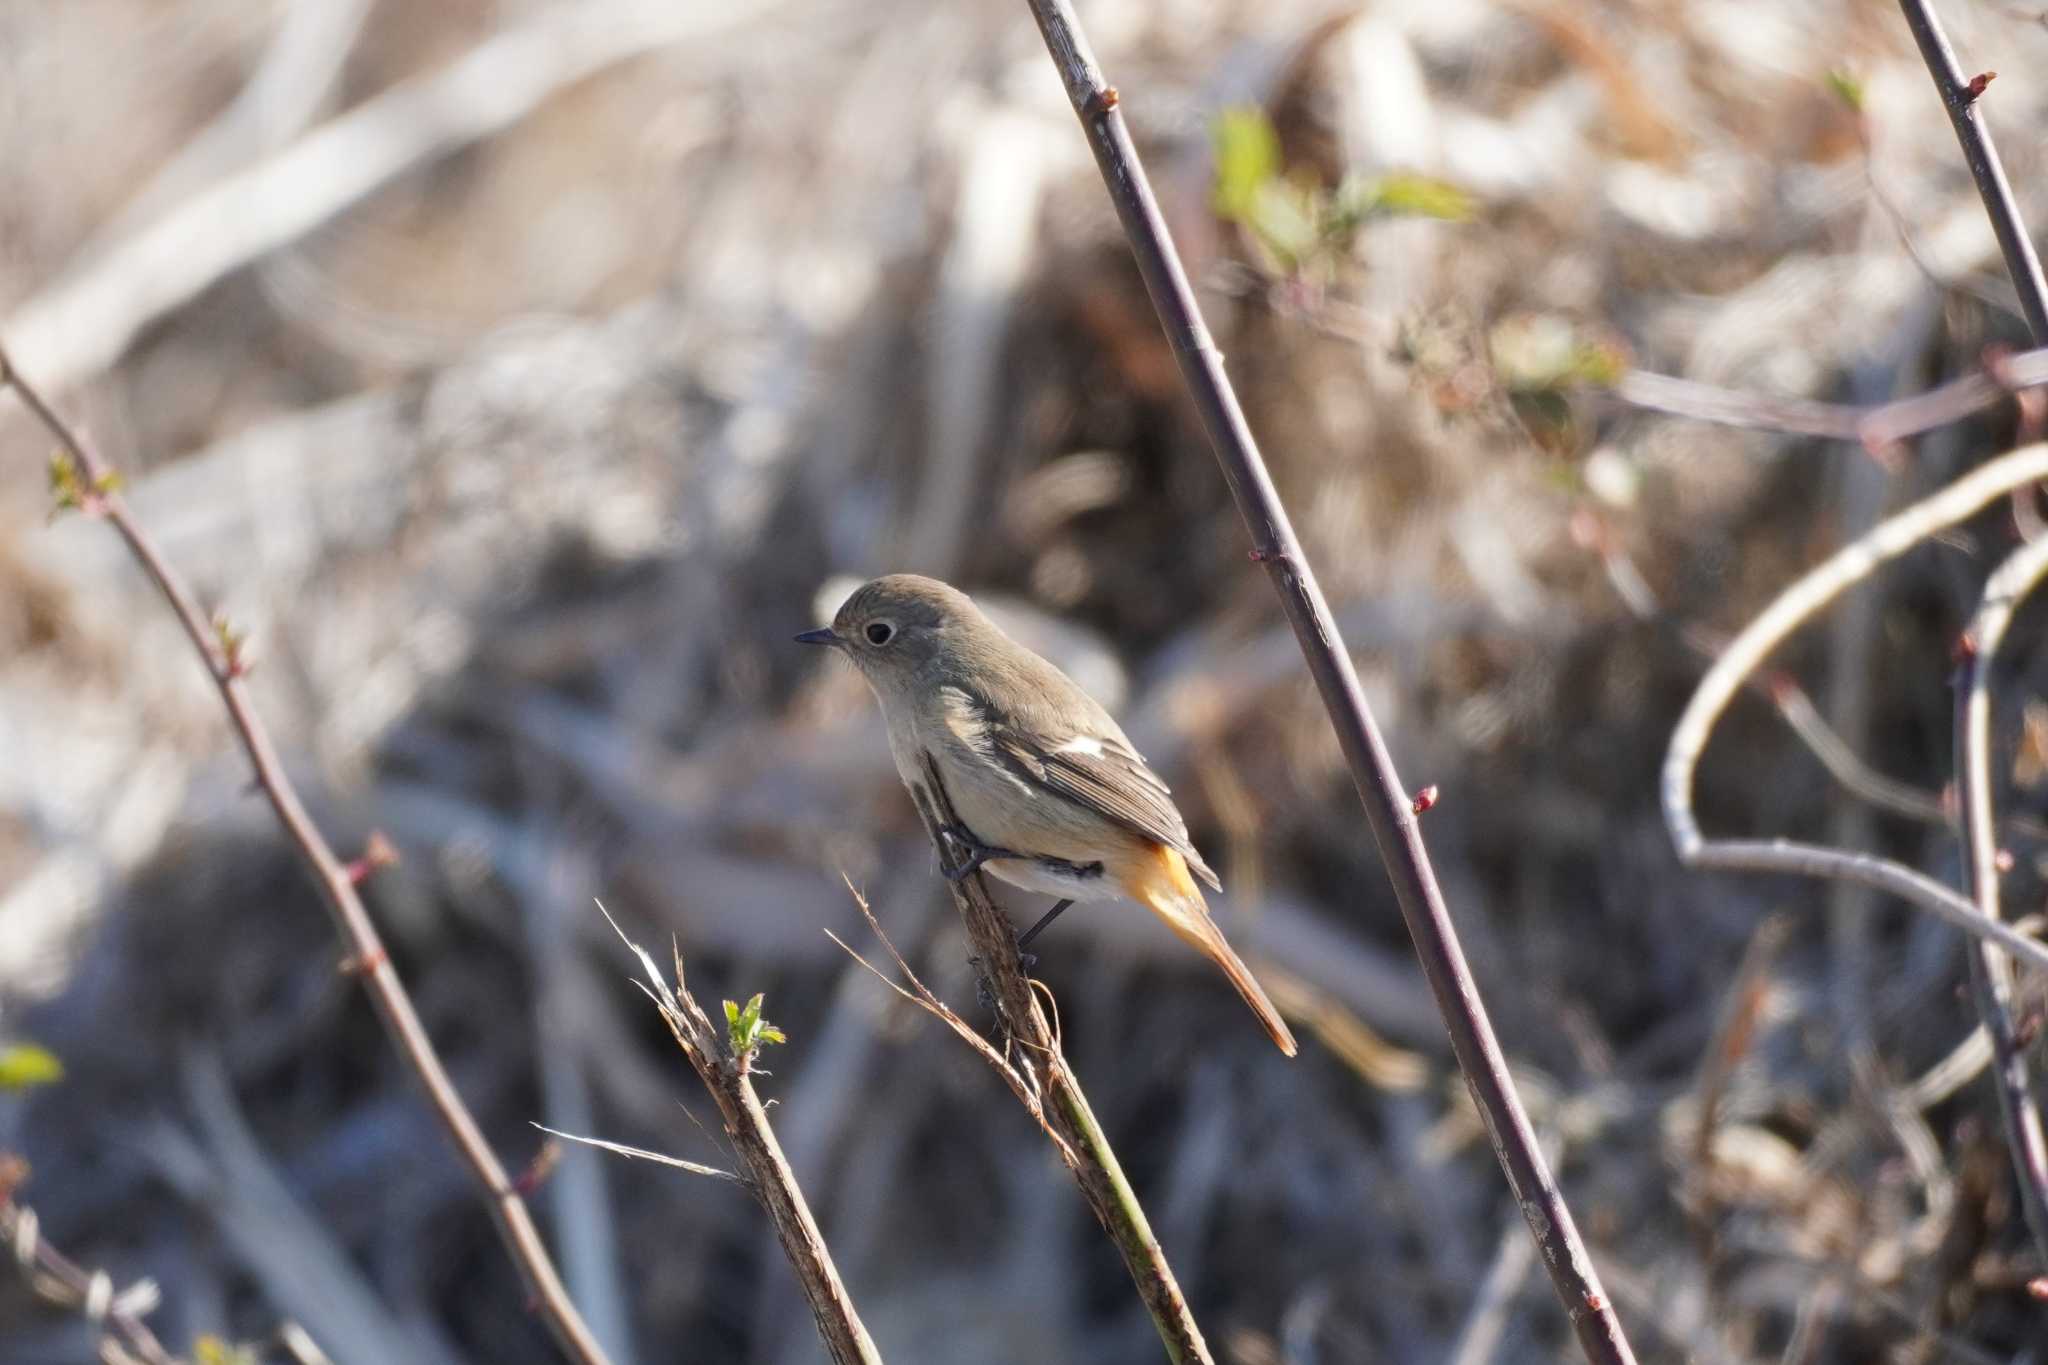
point(728, 1076)
point(1990, 973)
point(1792, 608)
point(56, 1278)
point(1067, 1118)
point(84, 479)
point(1387, 804)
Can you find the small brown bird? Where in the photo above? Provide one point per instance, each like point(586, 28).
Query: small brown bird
point(1048, 792)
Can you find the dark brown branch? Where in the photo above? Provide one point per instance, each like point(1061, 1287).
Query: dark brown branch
point(1064, 1111)
point(764, 1169)
point(1960, 95)
point(1387, 804)
point(95, 489)
point(58, 1279)
point(1991, 979)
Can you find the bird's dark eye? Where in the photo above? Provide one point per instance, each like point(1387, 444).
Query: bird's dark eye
point(880, 632)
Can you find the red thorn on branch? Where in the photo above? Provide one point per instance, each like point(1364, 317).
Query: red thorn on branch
point(1102, 101)
point(378, 852)
point(1263, 556)
point(1595, 1303)
point(538, 1170)
point(1424, 799)
point(1974, 91)
point(1965, 648)
point(362, 964)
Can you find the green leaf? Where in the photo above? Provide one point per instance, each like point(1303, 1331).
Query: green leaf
point(1844, 86)
point(1421, 196)
point(211, 1350)
point(1247, 160)
point(25, 1064)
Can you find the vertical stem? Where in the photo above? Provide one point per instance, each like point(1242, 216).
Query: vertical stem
point(1959, 95)
point(1387, 806)
point(1991, 975)
point(1095, 1166)
point(1990, 970)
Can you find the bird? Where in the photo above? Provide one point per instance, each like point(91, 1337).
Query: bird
point(1045, 789)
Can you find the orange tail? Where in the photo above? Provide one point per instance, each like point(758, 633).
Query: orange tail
point(1162, 884)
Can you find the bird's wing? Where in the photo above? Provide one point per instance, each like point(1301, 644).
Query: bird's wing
point(1098, 770)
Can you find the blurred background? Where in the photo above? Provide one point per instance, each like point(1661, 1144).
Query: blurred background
point(521, 375)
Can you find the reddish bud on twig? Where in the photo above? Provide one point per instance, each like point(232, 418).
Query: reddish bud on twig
point(1974, 91)
point(1102, 101)
point(2038, 1287)
point(362, 964)
point(378, 852)
point(538, 1170)
point(2002, 860)
point(1595, 1303)
point(234, 659)
point(1424, 799)
point(1965, 648)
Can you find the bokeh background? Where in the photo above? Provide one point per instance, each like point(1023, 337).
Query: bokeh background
point(522, 375)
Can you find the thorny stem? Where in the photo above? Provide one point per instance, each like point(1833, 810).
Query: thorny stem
point(1960, 96)
point(1082, 1143)
point(338, 891)
point(1387, 806)
point(1990, 973)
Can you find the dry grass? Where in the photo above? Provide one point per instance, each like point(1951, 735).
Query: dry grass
point(523, 470)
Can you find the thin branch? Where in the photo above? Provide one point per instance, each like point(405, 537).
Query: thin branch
point(1959, 95)
point(95, 489)
point(1876, 427)
point(767, 1174)
point(56, 1278)
point(1067, 1118)
point(1023, 1084)
point(1990, 974)
point(1748, 651)
point(1387, 805)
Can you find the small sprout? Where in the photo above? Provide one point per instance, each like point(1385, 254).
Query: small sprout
point(230, 642)
point(211, 1350)
point(1974, 91)
point(1847, 87)
point(746, 1030)
point(1424, 799)
point(25, 1064)
point(69, 492)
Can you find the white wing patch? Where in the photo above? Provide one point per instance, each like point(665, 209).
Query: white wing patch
point(1080, 744)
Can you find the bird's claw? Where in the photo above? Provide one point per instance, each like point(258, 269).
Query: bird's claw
point(962, 853)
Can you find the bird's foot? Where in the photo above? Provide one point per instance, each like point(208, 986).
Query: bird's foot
point(962, 853)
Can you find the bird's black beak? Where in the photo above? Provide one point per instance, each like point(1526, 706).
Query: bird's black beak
point(821, 636)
